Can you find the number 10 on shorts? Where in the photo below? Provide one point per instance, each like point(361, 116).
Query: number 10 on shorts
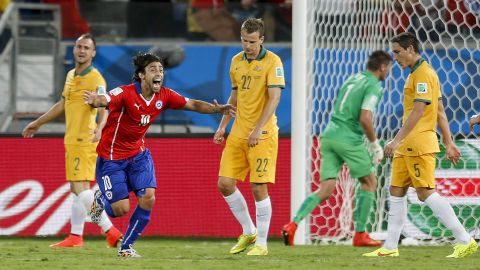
point(106, 182)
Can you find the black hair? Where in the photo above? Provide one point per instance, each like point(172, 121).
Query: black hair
point(407, 39)
point(377, 59)
point(141, 60)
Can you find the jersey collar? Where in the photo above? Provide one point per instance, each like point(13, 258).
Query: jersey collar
point(417, 64)
point(85, 71)
point(138, 87)
point(369, 74)
point(260, 56)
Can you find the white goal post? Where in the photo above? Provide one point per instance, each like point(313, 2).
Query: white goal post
point(299, 114)
point(331, 41)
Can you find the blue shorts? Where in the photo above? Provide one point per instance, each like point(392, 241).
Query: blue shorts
point(116, 178)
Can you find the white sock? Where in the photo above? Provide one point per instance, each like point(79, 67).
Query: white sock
point(264, 215)
point(86, 197)
point(79, 214)
point(444, 211)
point(239, 208)
point(396, 219)
point(105, 222)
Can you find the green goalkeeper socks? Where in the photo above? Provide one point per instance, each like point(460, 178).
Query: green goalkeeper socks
point(307, 206)
point(363, 208)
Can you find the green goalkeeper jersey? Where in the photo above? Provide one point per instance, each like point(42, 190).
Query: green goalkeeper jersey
point(360, 91)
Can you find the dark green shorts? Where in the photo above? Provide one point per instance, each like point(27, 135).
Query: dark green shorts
point(335, 154)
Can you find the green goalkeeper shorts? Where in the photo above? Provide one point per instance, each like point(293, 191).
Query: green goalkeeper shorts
point(336, 153)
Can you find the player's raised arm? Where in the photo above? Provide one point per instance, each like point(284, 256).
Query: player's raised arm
point(95, 100)
point(209, 108)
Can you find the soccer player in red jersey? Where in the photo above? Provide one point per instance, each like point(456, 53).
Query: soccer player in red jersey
point(123, 163)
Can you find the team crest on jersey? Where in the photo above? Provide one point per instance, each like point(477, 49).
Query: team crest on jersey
point(116, 91)
point(257, 68)
point(421, 88)
point(279, 72)
point(159, 104)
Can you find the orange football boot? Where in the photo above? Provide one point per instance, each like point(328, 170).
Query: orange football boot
point(288, 233)
point(362, 239)
point(113, 237)
point(70, 241)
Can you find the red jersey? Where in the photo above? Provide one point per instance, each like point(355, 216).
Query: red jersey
point(130, 115)
point(207, 3)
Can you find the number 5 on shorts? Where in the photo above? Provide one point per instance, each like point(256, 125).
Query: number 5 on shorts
point(417, 169)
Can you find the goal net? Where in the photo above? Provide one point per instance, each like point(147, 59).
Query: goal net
point(338, 37)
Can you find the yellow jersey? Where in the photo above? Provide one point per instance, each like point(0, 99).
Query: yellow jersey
point(251, 79)
point(80, 118)
point(3, 5)
point(422, 85)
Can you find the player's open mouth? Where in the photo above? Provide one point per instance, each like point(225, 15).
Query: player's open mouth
point(157, 83)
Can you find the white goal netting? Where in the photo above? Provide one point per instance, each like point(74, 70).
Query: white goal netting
point(340, 36)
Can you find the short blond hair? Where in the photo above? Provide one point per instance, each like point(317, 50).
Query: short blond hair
point(252, 25)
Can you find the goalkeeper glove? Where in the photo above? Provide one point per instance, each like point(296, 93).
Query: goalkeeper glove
point(376, 151)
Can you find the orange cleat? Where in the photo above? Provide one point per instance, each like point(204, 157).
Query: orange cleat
point(70, 241)
point(362, 239)
point(113, 237)
point(288, 233)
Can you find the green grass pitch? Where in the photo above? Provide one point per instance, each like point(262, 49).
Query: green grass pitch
point(188, 253)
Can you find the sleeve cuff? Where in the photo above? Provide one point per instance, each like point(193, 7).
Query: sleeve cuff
point(426, 101)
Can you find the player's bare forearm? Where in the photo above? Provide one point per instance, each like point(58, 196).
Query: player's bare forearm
point(268, 111)
point(220, 133)
point(102, 118)
point(55, 111)
point(226, 118)
point(443, 124)
point(209, 108)
point(201, 106)
point(452, 152)
point(412, 120)
point(410, 123)
point(366, 120)
point(474, 120)
point(224, 122)
point(270, 108)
